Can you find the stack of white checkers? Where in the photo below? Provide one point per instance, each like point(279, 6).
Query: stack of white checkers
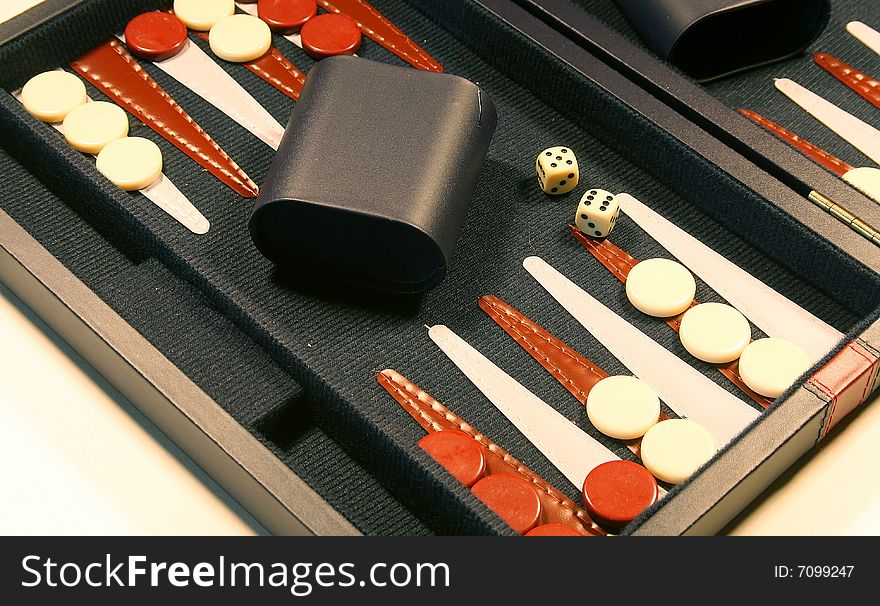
point(717, 333)
point(101, 129)
point(720, 333)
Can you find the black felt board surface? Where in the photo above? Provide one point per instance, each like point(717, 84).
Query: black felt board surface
point(332, 343)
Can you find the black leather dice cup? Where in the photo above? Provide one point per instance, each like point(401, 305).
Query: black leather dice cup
point(372, 179)
point(709, 39)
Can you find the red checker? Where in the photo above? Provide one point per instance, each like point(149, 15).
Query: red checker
point(513, 498)
point(617, 491)
point(155, 36)
point(286, 16)
point(458, 453)
point(330, 34)
point(553, 530)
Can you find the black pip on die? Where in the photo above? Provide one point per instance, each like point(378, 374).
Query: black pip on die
point(557, 170)
point(597, 213)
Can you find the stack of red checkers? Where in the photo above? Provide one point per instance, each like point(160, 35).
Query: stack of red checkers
point(513, 498)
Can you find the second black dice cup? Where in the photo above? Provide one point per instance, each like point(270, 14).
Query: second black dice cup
point(710, 39)
point(372, 179)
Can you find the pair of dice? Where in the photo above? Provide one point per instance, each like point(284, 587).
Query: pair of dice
point(558, 173)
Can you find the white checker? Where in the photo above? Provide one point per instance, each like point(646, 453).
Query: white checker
point(91, 126)
point(623, 407)
point(240, 38)
point(201, 15)
point(770, 366)
point(865, 179)
point(674, 449)
point(50, 96)
point(660, 287)
point(130, 163)
point(714, 332)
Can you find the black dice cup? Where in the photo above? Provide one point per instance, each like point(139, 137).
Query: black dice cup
point(372, 179)
point(710, 39)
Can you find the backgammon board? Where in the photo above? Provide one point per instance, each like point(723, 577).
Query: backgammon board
point(328, 407)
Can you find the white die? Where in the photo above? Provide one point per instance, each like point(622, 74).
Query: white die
point(597, 213)
point(557, 170)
